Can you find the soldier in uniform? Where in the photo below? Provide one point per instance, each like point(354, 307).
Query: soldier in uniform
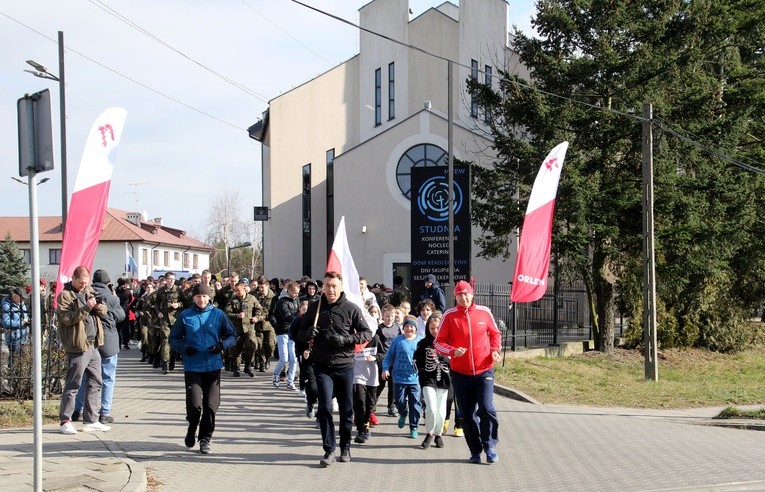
point(144, 311)
point(244, 311)
point(224, 295)
point(264, 328)
point(206, 279)
point(187, 298)
point(169, 306)
point(155, 339)
point(221, 300)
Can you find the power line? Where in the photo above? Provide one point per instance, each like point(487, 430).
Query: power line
point(238, 128)
point(119, 16)
point(285, 32)
point(712, 152)
point(537, 89)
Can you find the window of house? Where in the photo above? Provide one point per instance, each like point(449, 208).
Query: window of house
point(487, 80)
point(166, 258)
point(473, 77)
point(391, 91)
point(176, 256)
point(421, 155)
point(155, 258)
point(54, 256)
point(330, 198)
point(185, 260)
point(26, 253)
point(196, 261)
point(378, 96)
point(307, 219)
point(144, 256)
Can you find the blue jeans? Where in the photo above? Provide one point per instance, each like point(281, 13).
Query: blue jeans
point(475, 399)
point(337, 382)
point(286, 354)
point(411, 392)
point(108, 377)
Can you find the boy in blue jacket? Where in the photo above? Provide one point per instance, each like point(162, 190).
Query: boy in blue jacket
point(399, 363)
point(201, 333)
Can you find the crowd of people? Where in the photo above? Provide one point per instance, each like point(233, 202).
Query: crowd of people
point(422, 361)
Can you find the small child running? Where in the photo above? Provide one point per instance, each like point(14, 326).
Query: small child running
point(433, 370)
point(365, 382)
point(399, 362)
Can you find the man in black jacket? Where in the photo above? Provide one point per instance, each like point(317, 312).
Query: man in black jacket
point(334, 326)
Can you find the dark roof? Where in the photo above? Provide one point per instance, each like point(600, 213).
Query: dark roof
point(259, 129)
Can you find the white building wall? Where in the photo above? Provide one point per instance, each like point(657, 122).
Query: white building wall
point(371, 197)
point(437, 33)
point(303, 124)
point(110, 256)
point(390, 18)
point(483, 34)
point(336, 111)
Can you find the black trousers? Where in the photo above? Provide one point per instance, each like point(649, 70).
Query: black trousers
point(202, 401)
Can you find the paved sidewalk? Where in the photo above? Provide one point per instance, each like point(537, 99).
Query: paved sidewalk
point(264, 441)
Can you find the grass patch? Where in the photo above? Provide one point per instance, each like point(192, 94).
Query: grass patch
point(738, 413)
point(14, 413)
point(687, 378)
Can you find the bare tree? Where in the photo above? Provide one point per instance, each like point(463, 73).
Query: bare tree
point(224, 223)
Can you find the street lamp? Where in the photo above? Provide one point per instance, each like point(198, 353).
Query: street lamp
point(245, 244)
point(42, 72)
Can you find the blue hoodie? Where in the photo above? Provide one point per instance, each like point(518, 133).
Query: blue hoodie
point(202, 329)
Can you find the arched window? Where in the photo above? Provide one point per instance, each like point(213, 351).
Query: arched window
point(421, 155)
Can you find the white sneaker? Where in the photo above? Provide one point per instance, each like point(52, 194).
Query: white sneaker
point(95, 427)
point(68, 428)
point(301, 393)
point(335, 407)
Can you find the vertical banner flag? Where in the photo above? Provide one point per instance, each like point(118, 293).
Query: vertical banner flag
point(131, 267)
point(90, 195)
point(340, 260)
point(533, 262)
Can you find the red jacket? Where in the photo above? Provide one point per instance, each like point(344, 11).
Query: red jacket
point(474, 329)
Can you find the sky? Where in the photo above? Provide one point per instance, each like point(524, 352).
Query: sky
point(193, 75)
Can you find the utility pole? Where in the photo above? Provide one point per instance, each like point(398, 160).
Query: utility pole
point(649, 262)
point(450, 171)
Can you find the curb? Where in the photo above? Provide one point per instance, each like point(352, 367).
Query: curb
point(137, 481)
point(513, 394)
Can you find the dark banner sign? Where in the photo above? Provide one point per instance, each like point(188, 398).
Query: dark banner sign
point(430, 226)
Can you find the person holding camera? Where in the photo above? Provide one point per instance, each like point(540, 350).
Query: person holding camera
point(15, 321)
point(81, 330)
point(201, 333)
point(109, 350)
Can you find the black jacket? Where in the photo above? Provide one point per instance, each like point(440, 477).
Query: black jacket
point(286, 309)
point(432, 368)
point(114, 315)
point(342, 318)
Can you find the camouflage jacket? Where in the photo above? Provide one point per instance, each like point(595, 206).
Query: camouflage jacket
point(249, 306)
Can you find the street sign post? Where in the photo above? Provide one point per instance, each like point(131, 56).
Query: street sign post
point(35, 135)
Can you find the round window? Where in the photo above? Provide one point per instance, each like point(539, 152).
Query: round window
point(422, 155)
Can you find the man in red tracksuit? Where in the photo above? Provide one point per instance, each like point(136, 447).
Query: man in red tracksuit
point(469, 335)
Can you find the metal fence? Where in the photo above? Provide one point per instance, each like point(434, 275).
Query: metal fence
point(16, 365)
point(548, 321)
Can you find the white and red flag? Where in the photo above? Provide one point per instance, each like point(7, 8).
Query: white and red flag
point(90, 195)
point(340, 260)
point(533, 261)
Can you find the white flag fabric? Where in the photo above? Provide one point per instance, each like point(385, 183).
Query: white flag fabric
point(90, 195)
point(533, 261)
point(340, 260)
